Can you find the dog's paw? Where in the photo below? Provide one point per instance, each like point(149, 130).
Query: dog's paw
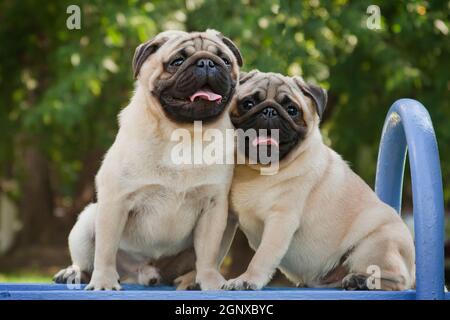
point(236, 284)
point(355, 281)
point(186, 281)
point(71, 275)
point(247, 281)
point(193, 287)
point(210, 280)
point(104, 281)
point(243, 282)
point(148, 275)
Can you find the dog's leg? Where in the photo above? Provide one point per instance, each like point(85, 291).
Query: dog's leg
point(384, 260)
point(228, 236)
point(109, 224)
point(207, 241)
point(81, 247)
point(279, 229)
point(187, 281)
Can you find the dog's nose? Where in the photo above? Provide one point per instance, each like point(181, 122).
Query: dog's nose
point(269, 112)
point(205, 64)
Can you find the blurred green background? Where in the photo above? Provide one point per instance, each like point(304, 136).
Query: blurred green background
point(61, 91)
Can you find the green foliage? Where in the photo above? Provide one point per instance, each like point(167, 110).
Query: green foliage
point(25, 277)
point(65, 87)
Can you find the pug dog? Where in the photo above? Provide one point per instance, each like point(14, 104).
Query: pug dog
point(315, 219)
point(154, 218)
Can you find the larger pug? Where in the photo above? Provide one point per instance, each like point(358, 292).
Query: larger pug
point(315, 219)
point(149, 208)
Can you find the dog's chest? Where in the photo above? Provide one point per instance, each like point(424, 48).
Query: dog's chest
point(161, 221)
point(250, 200)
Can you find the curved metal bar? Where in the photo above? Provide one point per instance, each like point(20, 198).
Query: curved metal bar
point(408, 127)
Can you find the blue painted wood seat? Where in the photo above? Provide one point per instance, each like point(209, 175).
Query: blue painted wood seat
point(407, 127)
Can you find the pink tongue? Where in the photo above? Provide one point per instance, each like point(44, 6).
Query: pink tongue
point(206, 95)
point(264, 140)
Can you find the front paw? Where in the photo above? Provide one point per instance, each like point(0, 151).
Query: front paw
point(243, 282)
point(210, 280)
point(104, 280)
point(186, 281)
point(72, 275)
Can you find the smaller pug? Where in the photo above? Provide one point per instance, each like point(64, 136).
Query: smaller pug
point(315, 220)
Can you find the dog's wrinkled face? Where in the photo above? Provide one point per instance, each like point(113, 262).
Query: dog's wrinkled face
point(193, 75)
point(273, 101)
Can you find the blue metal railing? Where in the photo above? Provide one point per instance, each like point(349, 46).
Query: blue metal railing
point(408, 129)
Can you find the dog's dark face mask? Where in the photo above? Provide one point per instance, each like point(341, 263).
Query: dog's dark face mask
point(198, 81)
point(271, 101)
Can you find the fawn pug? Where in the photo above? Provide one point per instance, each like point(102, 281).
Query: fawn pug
point(150, 210)
point(315, 219)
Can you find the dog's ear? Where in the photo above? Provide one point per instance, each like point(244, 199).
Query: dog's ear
point(230, 44)
point(143, 51)
point(245, 76)
point(316, 93)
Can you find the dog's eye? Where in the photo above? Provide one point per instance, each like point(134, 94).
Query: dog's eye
point(177, 62)
point(247, 104)
point(292, 111)
point(226, 61)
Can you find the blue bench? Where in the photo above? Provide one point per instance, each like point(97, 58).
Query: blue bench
point(407, 127)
